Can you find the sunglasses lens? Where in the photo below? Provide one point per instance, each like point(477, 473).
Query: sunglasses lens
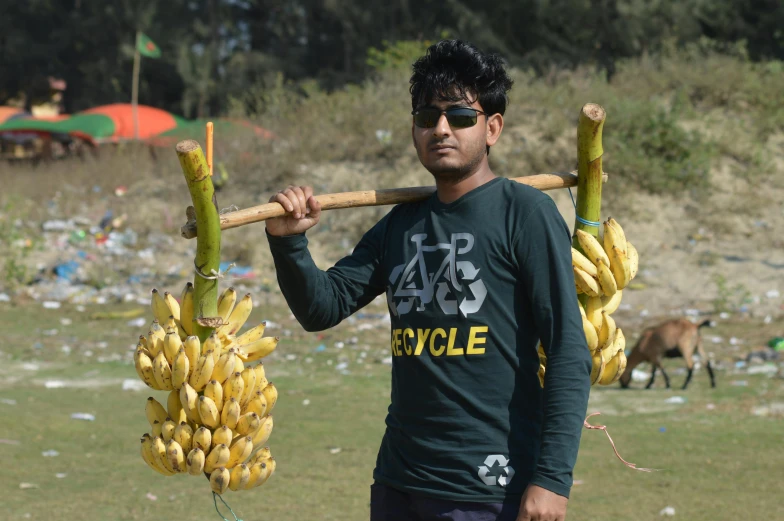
point(461, 118)
point(426, 118)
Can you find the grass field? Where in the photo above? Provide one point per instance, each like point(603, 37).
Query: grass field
point(718, 460)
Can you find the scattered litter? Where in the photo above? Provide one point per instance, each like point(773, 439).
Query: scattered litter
point(50, 454)
point(30, 367)
point(640, 376)
point(675, 399)
point(25, 486)
point(152, 497)
point(716, 339)
point(309, 360)
point(54, 384)
point(739, 383)
point(662, 429)
point(768, 319)
point(766, 369)
point(667, 511)
point(51, 304)
point(66, 321)
point(734, 341)
point(305, 402)
point(133, 385)
point(60, 475)
point(291, 356)
point(644, 313)
point(773, 409)
point(341, 366)
point(578, 482)
point(320, 348)
point(339, 345)
point(387, 360)
point(4, 297)
point(49, 332)
point(335, 450)
point(66, 350)
point(773, 293)
point(710, 406)
point(137, 322)
point(8, 442)
point(724, 315)
point(8, 401)
point(83, 416)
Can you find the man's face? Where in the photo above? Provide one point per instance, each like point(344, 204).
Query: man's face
point(451, 154)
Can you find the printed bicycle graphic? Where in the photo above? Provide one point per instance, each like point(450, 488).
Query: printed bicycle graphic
point(412, 283)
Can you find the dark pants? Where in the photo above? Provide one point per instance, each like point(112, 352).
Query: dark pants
point(389, 504)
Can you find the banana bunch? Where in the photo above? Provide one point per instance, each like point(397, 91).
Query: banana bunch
point(601, 273)
point(217, 416)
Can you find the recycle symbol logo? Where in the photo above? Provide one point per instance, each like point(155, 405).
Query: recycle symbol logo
point(507, 472)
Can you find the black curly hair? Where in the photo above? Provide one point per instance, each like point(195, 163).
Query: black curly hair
point(453, 70)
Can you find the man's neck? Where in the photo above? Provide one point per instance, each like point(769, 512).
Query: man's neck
point(449, 192)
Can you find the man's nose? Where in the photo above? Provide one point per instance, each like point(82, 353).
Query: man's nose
point(442, 127)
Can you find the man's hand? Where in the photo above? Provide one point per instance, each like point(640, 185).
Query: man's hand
point(540, 504)
point(303, 211)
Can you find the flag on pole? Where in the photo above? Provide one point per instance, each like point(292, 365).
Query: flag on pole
point(147, 47)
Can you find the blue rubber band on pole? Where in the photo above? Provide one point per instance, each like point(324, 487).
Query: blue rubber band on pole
point(214, 496)
point(586, 222)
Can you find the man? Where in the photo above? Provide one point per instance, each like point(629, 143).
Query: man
point(475, 276)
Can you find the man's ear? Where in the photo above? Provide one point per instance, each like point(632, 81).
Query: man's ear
point(495, 124)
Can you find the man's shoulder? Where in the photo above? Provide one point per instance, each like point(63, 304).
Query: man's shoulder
point(523, 193)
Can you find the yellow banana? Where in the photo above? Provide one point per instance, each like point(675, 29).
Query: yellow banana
point(239, 315)
point(155, 338)
point(162, 372)
point(202, 439)
point(634, 259)
point(591, 247)
point(621, 236)
point(155, 411)
point(208, 412)
point(222, 436)
point(610, 304)
point(159, 454)
point(581, 261)
point(176, 456)
point(181, 369)
point(231, 413)
point(171, 344)
point(239, 477)
point(189, 401)
point(234, 387)
point(257, 404)
point(160, 310)
point(586, 283)
point(593, 311)
point(156, 428)
point(214, 391)
point(167, 429)
point(173, 305)
point(264, 431)
point(261, 454)
point(597, 366)
point(607, 331)
point(239, 365)
point(609, 371)
point(256, 471)
point(621, 365)
point(192, 350)
point(612, 239)
point(251, 335)
point(606, 280)
point(225, 366)
point(218, 457)
point(270, 393)
point(143, 364)
point(619, 265)
point(194, 463)
point(186, 309)
point(226, 302)
point(248, 423)
point(620, 340)
point(260, 348)
point(240, 450)
point(591, 337)
point(269, 468)
point(174, 407)
point(170, 326)
point(219, 480)
point(213, 344)
point(202, 373)
point(149, 456)
point(183, 435)
point(249, 380)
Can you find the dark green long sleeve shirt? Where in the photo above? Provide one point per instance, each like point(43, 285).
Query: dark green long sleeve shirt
point(472, 287)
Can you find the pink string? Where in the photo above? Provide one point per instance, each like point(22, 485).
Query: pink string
point(604, 428)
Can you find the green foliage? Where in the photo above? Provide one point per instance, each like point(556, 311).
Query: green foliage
point(397, 55)
point(17, 244)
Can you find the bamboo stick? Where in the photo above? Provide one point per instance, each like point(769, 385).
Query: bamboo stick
point(589, 167)
point(207, 261)
point(369, 198)
point(209, 137)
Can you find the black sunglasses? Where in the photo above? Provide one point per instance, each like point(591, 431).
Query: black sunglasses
point(457, 117)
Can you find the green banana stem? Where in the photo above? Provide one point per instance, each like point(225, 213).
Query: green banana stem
point(197, 176)
point(589, 171)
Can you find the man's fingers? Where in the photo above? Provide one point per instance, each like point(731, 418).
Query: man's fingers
point(315, 208)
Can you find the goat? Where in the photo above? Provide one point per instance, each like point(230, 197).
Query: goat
point(673, 339)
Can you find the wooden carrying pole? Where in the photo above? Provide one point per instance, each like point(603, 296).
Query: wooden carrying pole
point(373, 198)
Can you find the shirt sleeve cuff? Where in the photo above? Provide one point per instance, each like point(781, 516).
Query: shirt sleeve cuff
point(285, 240)
point(551, 485)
